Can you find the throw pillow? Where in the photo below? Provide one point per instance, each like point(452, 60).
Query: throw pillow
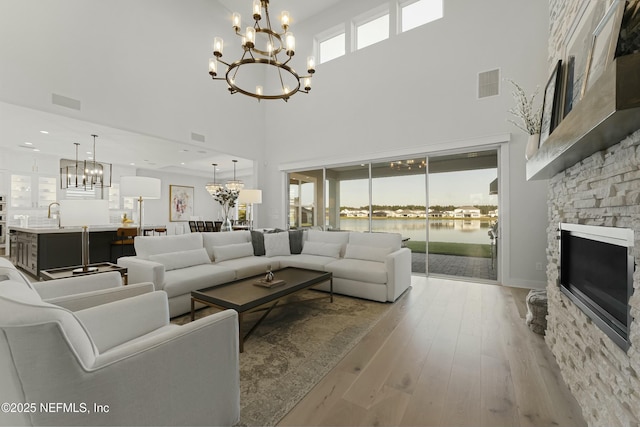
point(321, 248)
point(257, 241)
point(295, 241)
point(276, 244)
point(227, 252)
point(367, 253)
point(181, 259)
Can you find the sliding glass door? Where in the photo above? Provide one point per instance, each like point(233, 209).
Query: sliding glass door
point(463, 215)
point(444, 207)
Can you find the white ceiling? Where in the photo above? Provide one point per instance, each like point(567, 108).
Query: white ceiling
point(20, 125)
point(20, 130)
point(298, 9)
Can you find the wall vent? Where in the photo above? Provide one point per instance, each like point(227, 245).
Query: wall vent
point(489, 83)
point(197, 137)
point(64, 101)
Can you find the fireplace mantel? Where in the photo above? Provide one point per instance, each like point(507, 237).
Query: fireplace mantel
point(609, 112)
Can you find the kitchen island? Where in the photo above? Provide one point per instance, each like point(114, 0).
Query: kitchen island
point(34, 249)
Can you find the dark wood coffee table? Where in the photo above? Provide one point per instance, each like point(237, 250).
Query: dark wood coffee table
point(245, 297)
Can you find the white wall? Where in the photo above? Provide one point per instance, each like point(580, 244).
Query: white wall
point(416, 92)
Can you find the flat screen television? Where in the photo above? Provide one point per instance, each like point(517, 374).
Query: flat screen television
point(596, 273)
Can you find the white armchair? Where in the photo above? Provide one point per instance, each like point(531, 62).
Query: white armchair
point(120, 363)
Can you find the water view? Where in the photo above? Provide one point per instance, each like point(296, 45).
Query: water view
point(440, 230)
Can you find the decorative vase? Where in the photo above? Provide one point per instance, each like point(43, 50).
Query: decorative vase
point(226, 225)
point(532, 146)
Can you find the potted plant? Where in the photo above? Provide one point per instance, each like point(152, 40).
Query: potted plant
point(227, 199)
point(529, 117)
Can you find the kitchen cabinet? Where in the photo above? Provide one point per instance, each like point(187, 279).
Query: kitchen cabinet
point(32, 191)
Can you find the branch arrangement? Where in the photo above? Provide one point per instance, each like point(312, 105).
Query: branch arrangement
point(530, 117)
point(227, 199)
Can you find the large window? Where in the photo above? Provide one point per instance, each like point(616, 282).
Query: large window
point(372, 31)
point(331, 48)
point(417, 13)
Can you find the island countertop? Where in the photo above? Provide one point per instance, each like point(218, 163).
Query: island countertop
point(98, 228)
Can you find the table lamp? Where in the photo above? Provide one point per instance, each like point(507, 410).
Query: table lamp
point(84, 213)
point(250, 196)
point(140, 187)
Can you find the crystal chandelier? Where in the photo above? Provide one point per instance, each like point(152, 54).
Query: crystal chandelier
point(234, 184)
point(213, 187)
point(261, 46)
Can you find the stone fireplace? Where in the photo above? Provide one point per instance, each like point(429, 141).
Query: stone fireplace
point(603, 190)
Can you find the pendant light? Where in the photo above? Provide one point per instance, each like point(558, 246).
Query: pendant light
point(213, 187)
point(234, 184)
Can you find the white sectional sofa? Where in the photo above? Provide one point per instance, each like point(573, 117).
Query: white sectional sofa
point(366, 265)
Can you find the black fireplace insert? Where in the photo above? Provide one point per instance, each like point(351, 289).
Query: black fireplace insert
point(596, 273)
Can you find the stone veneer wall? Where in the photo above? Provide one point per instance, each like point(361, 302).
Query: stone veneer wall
point(603, 189)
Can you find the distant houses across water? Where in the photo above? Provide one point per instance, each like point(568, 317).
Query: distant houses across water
point(469, 212)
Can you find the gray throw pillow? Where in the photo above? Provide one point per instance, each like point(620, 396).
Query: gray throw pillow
point(295, 241)
point(257, 240)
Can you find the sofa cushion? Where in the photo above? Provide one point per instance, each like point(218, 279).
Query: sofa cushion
point(210, 240)
point(276, 244)
point(338, 237)
point(182, 259)
point(250, 266)
point(154, 245)
point(356, 269)
point(390, 240)
point(321, 248)
point(185, 280)
point(295, 241)
point(312, 262)
point(367, 253)
point(257, 241)
point(233, 251)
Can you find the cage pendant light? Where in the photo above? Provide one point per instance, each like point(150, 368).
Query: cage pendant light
point(97, 174)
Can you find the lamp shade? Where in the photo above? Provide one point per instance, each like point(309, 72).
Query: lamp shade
point(248, 195)
point(140, 186)
point(84, 213)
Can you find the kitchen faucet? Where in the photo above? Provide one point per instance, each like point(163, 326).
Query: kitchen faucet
point(49, 211)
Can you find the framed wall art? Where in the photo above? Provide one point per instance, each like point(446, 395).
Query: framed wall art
point(550, 103)
point(577, 46)
point(180, 203)
point(603, 44)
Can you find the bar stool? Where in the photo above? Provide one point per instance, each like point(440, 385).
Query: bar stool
point(124, 238)
point(160, 231)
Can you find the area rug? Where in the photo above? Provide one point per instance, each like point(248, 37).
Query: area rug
point(294, 348)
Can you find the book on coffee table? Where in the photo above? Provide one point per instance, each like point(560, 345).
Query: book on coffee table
point(271, 284)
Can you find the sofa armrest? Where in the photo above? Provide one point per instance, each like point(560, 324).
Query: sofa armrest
point(398, 266)
point(76, 285)
point(200, 358)
point(117, 322)
point(142, 270)
point(85, 300)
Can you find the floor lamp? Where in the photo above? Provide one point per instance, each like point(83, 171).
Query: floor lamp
point(250, 197)
point(84, 213)
point(141, 187)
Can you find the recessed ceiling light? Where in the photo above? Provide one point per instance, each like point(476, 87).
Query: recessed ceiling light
point(132, 164)
point(36, 149)
point(182, 163)
point(90, 158)
point(89, 152)
point(44, 131)
point(28, 143)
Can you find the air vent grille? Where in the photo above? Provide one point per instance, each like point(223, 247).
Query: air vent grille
point(197, 137)
point(64, 101)
point(489, 83)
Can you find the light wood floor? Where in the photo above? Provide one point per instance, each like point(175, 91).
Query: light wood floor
point(449, 353)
